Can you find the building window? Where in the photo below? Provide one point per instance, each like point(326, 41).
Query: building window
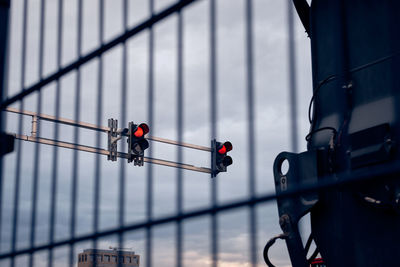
point(107, 258)
point(114, 258)
point(85, 257)
point(128, 259)
point(121, 259)
point(91, 258)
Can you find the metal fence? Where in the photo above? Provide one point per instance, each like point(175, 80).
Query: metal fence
point(25, 198)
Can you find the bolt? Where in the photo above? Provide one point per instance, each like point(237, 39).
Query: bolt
point(283, 220)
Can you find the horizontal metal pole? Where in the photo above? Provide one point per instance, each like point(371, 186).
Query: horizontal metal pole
point(59, 120)
point(101, 128)
point(172, 142)
point(106, 152)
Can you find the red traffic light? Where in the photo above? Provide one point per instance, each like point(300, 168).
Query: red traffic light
point(141, 130)
point(226, 147)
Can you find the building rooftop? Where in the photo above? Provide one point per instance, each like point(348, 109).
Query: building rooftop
point(112, 251)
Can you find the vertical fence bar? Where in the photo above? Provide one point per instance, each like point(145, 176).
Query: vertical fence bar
point(37, 147)
point(179, 182)
point(4, 10)
point(213, 118)
point(150, 120)
point(122, 174)
point(4, 44)
point(251, 128)
point(292, 78)
point(19, 149)
point(75, 158)
point(96, 193)
point(54, 181)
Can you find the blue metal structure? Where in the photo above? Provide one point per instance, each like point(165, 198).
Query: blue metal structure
point(352, 159)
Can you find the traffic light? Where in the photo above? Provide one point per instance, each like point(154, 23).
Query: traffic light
point(137, 144)
point(219, 159)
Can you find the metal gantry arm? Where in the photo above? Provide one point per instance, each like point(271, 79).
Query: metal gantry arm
point(34, 138)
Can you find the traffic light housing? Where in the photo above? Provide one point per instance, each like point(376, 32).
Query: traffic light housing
point(137, 144)
point(219, 158)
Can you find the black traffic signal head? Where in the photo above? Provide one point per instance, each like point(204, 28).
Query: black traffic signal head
point(138, 143)
point(219, 158)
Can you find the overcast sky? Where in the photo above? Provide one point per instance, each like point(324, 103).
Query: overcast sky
point(271, 117)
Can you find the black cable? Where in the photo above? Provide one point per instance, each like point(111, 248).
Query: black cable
point(333, 77)
point(307, 248)
point(313, 256)
point(308, 244)
point(269, 244)
point(310, 134)
point(326, 80)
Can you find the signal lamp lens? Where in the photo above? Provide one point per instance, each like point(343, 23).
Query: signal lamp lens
point(227, 161)
point(140, 146)
point(228, 146)
point(145, 128)
point(139, 132)
point(144, 144)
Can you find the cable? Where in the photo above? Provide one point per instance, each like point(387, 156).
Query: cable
point(308, 244)
point(310, 134)
point(313, 256)
point(326, 80)
point(269, 244)
point(334, 76)
point(284, 236)
point(307, 248)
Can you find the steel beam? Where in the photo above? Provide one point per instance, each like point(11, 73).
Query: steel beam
point(107, 153)
point(101, 128)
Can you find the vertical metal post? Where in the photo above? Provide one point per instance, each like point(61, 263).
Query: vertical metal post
point(180, 100)
point(292, 79)
point(124, 90)
point(112, 144)
point(251, 128)
point(55, 160)
point(213, 119)
point(130, 127)
point(75, 157)
point(4, 11)
point(213, 158)
point(97, 166)
point(15, 215)
point(34, 126)
point(150, 99)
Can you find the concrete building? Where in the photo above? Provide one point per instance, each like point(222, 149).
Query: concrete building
point(108, 258)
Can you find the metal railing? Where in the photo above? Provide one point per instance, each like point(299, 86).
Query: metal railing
point(149, 221)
